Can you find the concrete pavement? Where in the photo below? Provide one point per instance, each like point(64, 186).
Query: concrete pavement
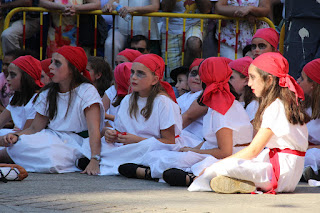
point(75, 192)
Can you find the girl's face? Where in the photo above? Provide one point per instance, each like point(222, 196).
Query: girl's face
point(14, 77)
point(93, 76)
point(255, 81)
point(259, 46)
point(306, 85)
point(142, 79)
point(59, 69)
point(120, 59)
point(182, 84)
point(237, 82)
point(194, 81)
point(45, 78)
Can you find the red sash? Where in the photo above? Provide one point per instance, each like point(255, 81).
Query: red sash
point(274, 160)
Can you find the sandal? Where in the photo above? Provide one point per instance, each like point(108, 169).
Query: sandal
point(12, 172)
point(178, 177)
point(129, 170)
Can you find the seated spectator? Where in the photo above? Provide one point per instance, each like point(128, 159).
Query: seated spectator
point(12, 37)
point(123, 28)
point(140, 43)
point(193, 44)
point(245, 9)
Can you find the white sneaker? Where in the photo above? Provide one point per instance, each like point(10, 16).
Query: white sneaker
point(10, 172)
point(228, 185)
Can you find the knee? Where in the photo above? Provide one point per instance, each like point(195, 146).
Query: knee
point(194, 44)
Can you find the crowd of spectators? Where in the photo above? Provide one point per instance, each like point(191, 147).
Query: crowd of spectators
point(196, 44)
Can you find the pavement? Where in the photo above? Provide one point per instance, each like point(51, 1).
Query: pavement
point(74, 192)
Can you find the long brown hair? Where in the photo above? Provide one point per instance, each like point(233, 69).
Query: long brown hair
point(313, 101)
point(295, 113)
point(147, 110)
point(54, 88)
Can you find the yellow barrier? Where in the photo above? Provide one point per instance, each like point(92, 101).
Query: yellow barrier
point(155, 14)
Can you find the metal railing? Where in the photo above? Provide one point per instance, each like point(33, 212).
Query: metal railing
point(202, 17)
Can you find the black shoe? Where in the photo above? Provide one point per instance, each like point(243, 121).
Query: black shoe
point(129, 170)
point(82, 163)
point(308, 174)
point(178, 177)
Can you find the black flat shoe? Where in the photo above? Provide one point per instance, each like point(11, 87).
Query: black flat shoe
point(82, 163)
point(178, 177)
point(129, 170)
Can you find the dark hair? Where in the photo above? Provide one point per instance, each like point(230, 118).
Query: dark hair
point(117, 100)
point(313, 101)
point(20, 52)
point(101, 66)
point(54, 88)
point(248, 94)
point(27, 89)
point(135, 39)
point(246, 49)
point(295, 113)
point(232, 90)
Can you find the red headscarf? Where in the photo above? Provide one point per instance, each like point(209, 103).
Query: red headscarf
point(45, 65)
point(215, 73)
point(241, 65)
point(228, 60)
point(156, 64)
point(312, 70)
point(196, 62)
point(130, 54)
point(77, 57)
point(275, 64)
point(122, 74)
point(268, 34)
point(31, 66)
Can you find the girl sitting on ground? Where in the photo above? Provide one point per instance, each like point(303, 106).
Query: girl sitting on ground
point(68, 109)
point(281, 121)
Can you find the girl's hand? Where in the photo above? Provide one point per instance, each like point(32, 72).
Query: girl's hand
point(243, 11)
point(127, 138)
point(92, 168)
point(252, 19)
point(185, 149)
point(111, 136)
point(9, 140)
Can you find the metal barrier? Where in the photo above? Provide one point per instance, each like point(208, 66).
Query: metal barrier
point(202, 17)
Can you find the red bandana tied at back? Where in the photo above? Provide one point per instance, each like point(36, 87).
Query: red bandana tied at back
point(77, 57)
point(122, 74)
point(241, 65)
point(268, 34)
point(312, 70)
point(31, 66)
point(275, 64)
point(196, 62)
point(130, 54)
point(156, 64)
point(45, 65)
point(215, 73)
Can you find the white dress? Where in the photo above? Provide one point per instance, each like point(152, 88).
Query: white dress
point(165, 113)
point(111, 93)
point(252, 109)
point(259, 169)
point(19, 115)
point(195, 128)
point(235, 119)
point(313, 155)
point(56, 148)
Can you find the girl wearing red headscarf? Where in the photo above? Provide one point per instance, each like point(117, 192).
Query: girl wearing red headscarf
point(225, 125)
point(281, 124)
point(147, 119)
point(68, 110)
point(310, 83)
point(45, 78)
point(264, 40)
point(24, 80)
